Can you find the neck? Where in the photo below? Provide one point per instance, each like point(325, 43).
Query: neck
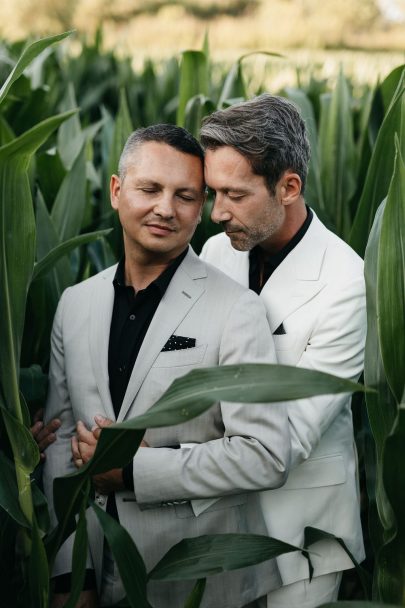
point(142, 268)
point(295, 216)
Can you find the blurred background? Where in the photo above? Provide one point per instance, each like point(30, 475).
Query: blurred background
point(366, 37)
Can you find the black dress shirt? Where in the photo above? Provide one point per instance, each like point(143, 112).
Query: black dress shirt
point(262, 265)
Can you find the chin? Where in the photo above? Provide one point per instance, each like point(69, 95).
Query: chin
point(239, 244)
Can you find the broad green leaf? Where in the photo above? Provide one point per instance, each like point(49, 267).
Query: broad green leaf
point(122, 130)
point(40, 506)
point(25, 450)
point(381, 406)
point(6, 133)
point(69, 207)
point(206, 555)
point(193, 81)
point(27, 56)
point(70, 138)
point(46, 264)
point(314, 535)
point(195, 598)
point(9, 491)
point(337, 154)
point(79, 556)
point(391, 282)
point(390, 567)
point(193, 393)
point(197, 107)
point(234, 85)
point(313, 191)
point(129, 561)
point(380, 169)
point(38, 570)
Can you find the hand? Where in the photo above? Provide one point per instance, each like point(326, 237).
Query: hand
point(87, 599)
point(44, 435)
point(83, 445)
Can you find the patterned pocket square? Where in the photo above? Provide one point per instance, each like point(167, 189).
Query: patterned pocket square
point(280, 331)
point(178, 343)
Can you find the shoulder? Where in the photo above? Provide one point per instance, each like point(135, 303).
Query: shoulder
point(85, 288)
point(219, 243)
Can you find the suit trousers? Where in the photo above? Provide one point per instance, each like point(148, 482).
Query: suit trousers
point(112, 590)
point(305, 594)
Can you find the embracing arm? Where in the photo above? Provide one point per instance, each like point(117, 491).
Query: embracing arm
point(253, 453)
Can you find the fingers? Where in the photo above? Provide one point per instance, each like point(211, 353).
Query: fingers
point(84, 435)
point(45, 435)
point(101, 423)
point(76, 455)
point(39, 415)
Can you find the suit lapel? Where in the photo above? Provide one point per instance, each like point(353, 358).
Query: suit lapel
point(101, 308)
point(298, 278)
point(181, 295)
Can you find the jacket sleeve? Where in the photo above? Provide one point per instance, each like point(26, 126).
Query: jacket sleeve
point(253, 453)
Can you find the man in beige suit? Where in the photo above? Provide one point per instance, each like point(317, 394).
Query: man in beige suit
point(312, 285)
point(119, 340)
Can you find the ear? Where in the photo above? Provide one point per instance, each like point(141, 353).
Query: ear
point(115, 189)
point(290, 187)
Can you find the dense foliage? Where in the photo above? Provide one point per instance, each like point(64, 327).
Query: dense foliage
point(63, 121)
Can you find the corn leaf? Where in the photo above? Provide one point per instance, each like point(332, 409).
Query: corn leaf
point(206, 555)
point(337, 154)
point(32, 51)
point(193, 81)
point(390, 575)
point(129, 561)
point(46, 264)
point(195, 598)
point(69, 207)
point(9, 491)
point(38, 570)
point(380, 169)
point(391, 281)
point(79, 556)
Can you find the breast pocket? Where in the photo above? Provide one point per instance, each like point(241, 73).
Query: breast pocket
point(180, 358)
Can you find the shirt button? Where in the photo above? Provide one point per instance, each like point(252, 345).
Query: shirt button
point(121, 369)
point(132, 317)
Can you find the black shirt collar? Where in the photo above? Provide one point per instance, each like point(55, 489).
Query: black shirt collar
point(161, 282)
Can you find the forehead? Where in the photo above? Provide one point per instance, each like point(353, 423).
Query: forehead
point(162, 163)
point(226, 167)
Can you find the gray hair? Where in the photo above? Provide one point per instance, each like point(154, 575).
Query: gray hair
point(268, 130)
point(173, 136)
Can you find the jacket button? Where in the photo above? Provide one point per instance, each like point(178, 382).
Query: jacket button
point(100, 500)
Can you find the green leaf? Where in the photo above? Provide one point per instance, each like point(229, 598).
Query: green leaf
point(380, 169)
point(70, 137)
point(197, 107)
point(193, 393)
point(193, 81)
point(313, 191)
point(129, 561)
point(79, 556)
point(38, 570)
point(195, 598)
point(47, 263)
point(69, 207)
point(337, 154)
point(9, 491)
point(25, 450)
point(391, 281)
point(314, 535)
point(32, 51)
point(390, 571)
point(211, 554)
point(122, 130)
point(234, 85)
point(359, 605)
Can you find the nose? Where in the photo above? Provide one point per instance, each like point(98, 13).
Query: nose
point(164, 206)
point(220, 212)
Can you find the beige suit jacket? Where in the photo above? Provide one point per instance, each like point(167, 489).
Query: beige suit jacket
point(318, 294)
point(240, 448)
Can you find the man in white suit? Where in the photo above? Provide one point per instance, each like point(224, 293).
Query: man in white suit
point(312, 285)
point(119, 340)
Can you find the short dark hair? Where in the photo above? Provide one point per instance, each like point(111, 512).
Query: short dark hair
point(173, 136)
point(268, 130)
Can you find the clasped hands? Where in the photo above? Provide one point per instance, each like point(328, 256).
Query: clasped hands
point(83, 447)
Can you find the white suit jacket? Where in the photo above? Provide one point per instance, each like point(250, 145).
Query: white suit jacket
point(318, 294)
point(241, 448)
